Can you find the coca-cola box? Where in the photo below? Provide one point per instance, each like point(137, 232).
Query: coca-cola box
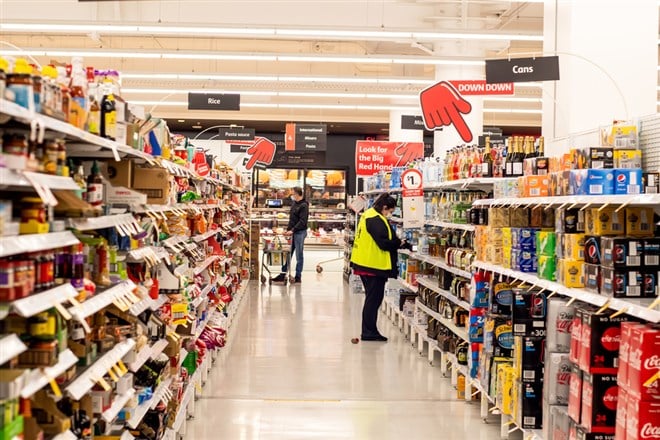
point(624, 350)
point(576, 336)
point(644, 363)
point(621, 412)
point(601, 335)
point(575, 394)
point(528, 313)
point(556, 383)
point(642, 420)
point(599, 401)
point(559, 325)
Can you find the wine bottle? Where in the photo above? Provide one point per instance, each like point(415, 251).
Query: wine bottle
point(518, 156)
point(508, 159)
point(487, 160)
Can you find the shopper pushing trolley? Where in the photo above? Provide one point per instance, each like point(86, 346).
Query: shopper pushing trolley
point(374, 259)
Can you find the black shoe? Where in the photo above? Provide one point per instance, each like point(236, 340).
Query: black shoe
point(296, 280)
point(380, 338)
point(280, 278)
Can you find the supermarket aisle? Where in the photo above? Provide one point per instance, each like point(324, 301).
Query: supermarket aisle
point(292, 373)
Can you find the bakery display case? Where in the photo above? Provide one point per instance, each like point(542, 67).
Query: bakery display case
point(325, 190)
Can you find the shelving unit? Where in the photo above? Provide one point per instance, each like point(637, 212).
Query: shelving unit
point(449, 225)
point(101, 300)
point(572, 201)
point(35, 242)
point(39, 378)
point(117, 405)
point(445, 294)
point(10, 347)
point(434, 261)
point(460, 332)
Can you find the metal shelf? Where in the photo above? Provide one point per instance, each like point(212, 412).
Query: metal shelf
point(84, 382)
point(148, 352)
point(380, 191)
point(66, 435)
point(450, 225)
point(637, 308)
point(120, 221)
point(117, 405)
point(437, 262)
point(142, 409)
point(101, 300)
point(407, 285)
point(10, 347)
point(39, 302)
point(15, 178)
point(460, 332)
point(204, 264)
point(445, 294)
point(21, 244)
point(466, 184)
point(623, 199)
point(205, 236)
point(39, 378)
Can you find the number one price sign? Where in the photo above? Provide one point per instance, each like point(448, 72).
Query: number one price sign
point(413, 199)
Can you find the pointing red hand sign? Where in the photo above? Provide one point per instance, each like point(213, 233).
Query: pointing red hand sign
point(262, 151)
point(443, 106)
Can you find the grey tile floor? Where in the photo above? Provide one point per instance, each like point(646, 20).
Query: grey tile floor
point(291, 372)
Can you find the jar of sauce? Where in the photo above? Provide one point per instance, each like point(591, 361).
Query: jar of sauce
point(21, 85)
point(15, 149)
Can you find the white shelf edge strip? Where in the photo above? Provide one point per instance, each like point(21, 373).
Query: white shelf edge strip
point(39, 302)
point(101, 300)
point(450, 225)
point(148, 352)
point(126, 436)
point(460, 332)
point(206, 263)
point(617, 199)
point(10, 347)
point(83, 383)
point(445, 294)
point(438, 263)
point(638, 310)
point(117, 405)
point(35, 242)
point(10, 177)
point(206, 235)
point(142, 409)
point(106, 221)
point(38, 379)
point(405, 284)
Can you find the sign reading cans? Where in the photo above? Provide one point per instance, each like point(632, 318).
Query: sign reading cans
point(410, 122)
point(522, 70)
point(235, 134)
point(214, 101)
point(306, 137)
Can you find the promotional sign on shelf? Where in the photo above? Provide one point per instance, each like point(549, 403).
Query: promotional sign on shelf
point(482, 88)
point(442, 105)
point(522, 70)
point(413, 199)
point(374, 156)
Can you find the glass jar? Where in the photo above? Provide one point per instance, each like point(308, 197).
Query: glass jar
point(21, 86)
point(15, 149)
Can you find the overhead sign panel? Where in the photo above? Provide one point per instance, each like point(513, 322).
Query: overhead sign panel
point(410, 122)
point(306, 137)
point(235, 134)
point(522, 70)
point(214, 101)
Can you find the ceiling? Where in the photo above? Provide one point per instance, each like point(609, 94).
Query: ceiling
point(333, 61)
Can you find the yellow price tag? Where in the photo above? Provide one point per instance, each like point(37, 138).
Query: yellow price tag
point(118, 370)
point(112, 375)
point(55, 387)
point(104, 384)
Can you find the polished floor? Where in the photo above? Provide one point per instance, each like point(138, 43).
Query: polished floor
point(291, 372)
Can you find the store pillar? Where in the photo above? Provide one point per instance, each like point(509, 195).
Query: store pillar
point(608, 57)
point(399, 134)
point(448, 138)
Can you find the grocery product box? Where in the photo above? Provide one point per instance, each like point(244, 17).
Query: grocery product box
point(528, 358)
point(154, 182)
point(519, 217)
point(545, 242)
point(547, 267)
point(499, 217)
point(621, 413)
point(560, 317)
point(599, 401)
point(651, 183)
point(498, 336)
point(570, 272)
point(591, 182)
point(651, 252)
point(569, 220)
point(642, 419)
point(501, 298)
point(643, 362)
point(507, 238)
point(631, 159)
point(650, 283)
point(621, 282)
point(624, 352)
point(530, 405)
point(528, 313)
point(573, 246)
point(542, 218)
point(576, 336)
point(592, 251)
point(599, 347)
point(604, 221)
point(523, 238)
point(619, 252)
point(592, 277)
point(627, 181)
point(594, 157)
point(536, 186)
point(639, 222)
point(575, 394)
point(556, 382)
point(524, 261)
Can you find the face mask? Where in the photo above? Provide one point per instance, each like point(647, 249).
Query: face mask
point(293, 199)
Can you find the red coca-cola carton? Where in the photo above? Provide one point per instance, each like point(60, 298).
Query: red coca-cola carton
point(624, 349)
point(642, 420)
point(575, 394)
point(599, 400)
point(600, 340)
point(621, 411)
point(576, 336)
point(644, 362)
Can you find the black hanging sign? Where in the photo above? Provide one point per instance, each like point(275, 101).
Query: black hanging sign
point(522, 70)
point(214, 101)
point(410, 122)
point(235, 134)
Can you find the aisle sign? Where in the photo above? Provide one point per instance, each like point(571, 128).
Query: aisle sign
point(522, 70)
point(413, 199)
point(214, 101)
point(306, 137)
point(235, 134)
point(412, 122)
point(374, 156)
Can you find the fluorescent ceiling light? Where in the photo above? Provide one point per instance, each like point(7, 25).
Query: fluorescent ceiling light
point(347, 95)
point(228, 56)
point(510, 110)
point(298, 33)
point(323, 107)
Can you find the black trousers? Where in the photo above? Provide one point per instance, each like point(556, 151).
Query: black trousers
point(374, 287)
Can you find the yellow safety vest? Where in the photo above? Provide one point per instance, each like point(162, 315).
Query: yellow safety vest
point(366, 252)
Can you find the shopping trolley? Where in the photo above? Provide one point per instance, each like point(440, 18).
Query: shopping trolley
point(277, 251)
